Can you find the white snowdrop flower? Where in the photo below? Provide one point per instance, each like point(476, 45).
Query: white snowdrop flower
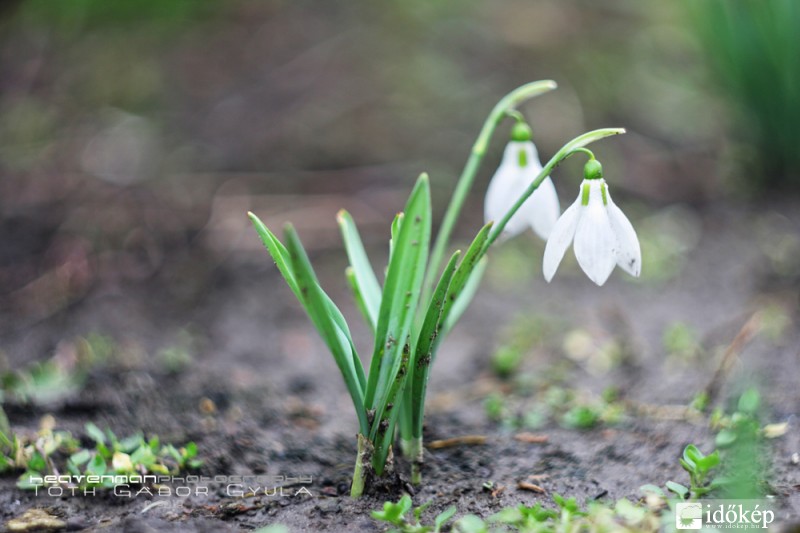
point(603, 235)
point(520, 166)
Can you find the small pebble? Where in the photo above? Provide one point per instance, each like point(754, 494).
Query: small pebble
point(207, 406)
point(35, 520)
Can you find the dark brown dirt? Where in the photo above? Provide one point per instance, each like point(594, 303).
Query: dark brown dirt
point(281, 408)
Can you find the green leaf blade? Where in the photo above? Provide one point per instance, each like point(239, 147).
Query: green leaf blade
point(424, 346)
point(400, 297)
point(329, 322)
point(363, 279)
point(463, 300)
point(278, 252)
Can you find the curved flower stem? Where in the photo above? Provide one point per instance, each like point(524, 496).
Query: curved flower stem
point(574, 146)
point(516, 115)
point(586, 151)
point(500, 111)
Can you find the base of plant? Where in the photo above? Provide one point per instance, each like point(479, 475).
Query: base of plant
point(363, 471)
point(413, 452)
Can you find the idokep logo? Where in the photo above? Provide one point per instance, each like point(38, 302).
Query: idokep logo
point(689, 515)
point(724, 514)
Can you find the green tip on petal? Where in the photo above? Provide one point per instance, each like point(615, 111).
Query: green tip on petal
point(593, 170)
point(521, 132)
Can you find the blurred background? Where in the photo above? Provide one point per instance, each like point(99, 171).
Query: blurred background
point(134, 136)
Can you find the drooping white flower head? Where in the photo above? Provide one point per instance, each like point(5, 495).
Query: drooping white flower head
point(520, 166)
point(603, 235)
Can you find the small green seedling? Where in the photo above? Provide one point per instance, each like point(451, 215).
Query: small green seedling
point(395, 514)
point(560, 404)
point(598, 517)
point(522, 516)
point(698, 466)
point(54, 380)
point(57, 451)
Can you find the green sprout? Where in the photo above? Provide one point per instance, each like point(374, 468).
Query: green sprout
point(699, 467)
point(395, 514)
point(555, 403)
point(419, 304)
point(58, 451)
point(596, 517)
point(681, 340)
point(56, 379)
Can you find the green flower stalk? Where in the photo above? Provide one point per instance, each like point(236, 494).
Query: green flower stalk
point(415, 308)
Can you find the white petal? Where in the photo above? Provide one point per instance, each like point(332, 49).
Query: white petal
point(595, 243)
point(544, 208)
point(498, 195)
point(508, 184)
point(629, 254)
point(560, 238)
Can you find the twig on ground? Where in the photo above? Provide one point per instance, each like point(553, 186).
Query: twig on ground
point(524, 485)
point(457, 441)
point(531, 438)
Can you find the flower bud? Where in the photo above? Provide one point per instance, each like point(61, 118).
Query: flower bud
point(593, 170)
point(521, 132)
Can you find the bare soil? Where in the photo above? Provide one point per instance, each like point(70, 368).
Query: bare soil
point(278, 407)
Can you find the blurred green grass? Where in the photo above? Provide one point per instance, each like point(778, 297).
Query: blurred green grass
point(752, 47)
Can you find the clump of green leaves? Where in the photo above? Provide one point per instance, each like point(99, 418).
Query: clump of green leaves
point(563, 405)
point(568, 515)
point(59, 377)
point(699, 467)
point(33, 454)
point(738, 465)
point(396, 515)
point(58, 451)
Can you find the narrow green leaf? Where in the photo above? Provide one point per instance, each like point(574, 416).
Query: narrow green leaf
point(363, 281)
point(425, 341)
point(352, 282)
point(400, 298)
point(589, 137)
point(387, 416)
point(465, 270)
point(281, 257)
point(467, 294)
point(278, 252)
point(329, 323)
